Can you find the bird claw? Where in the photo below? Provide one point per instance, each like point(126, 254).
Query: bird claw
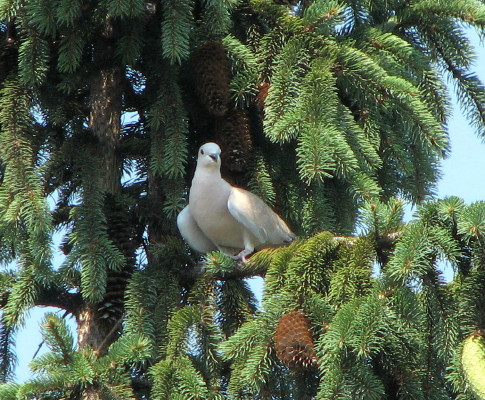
point(239, 258)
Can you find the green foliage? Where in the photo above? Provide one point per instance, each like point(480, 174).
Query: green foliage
point(7, 355)
point(261, 183)
point(178, 373)
point(216, 15)
point(404, 325)
point(70, 52)
point(16, 153)
point(65, 371)
point(245, 73)
point(33, 61)
point(41, 16)
point(169, 152)
point(23, 208)
point(176, 29)
point(346, 109)
point(285, 87)
point(252, 361)
point(324, 15)
point(125, 8)
point(141, 297)
point(352, 278)
point(130, 44)
point(151, 295)
point(68, 11)
point(94, 252)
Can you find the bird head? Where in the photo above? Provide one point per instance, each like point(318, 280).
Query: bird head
point(209, 155)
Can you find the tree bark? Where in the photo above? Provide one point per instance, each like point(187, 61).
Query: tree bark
point(95, 331)
point(98, 324)
point(105, 122)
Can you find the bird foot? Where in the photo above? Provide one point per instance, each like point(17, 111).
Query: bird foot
point(241, 257)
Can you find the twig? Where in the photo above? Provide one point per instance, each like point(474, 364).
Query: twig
point(110, 333)
point(43, 341)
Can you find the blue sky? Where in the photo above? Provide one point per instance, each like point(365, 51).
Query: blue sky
point(463, 176)
point(464, 169)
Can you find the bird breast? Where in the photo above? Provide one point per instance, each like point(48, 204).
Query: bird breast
point(216, 222)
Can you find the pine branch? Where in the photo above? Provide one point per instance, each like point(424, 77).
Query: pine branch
point(223, 269)
point(7, 356)
point(176, 28)
point(168, 123)
point(473, 87)
point(51, 297)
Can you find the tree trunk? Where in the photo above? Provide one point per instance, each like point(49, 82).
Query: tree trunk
point(98, 324)
point(105, 104)
point(105, 122)
point(94, 330)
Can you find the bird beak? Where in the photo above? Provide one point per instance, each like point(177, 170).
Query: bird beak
point(214, 156)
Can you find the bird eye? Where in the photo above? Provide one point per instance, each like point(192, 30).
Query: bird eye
point(201, 151)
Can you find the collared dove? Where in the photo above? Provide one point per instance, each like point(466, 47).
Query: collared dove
point(225, 218)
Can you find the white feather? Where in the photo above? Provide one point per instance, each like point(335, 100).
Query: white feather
point(227, 218)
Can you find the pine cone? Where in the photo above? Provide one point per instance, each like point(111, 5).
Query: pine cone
point(294, 342)
point(121, 230)
point(122, 233)
point(473, 363)
point(212, 75)
point(233, 134)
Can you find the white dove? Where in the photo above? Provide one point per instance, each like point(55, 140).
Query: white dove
point(225, 218)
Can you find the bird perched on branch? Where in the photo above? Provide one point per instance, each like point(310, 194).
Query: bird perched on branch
point(226, 218)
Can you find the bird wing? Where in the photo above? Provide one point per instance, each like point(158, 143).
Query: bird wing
point(250, 211)
point(192, 234)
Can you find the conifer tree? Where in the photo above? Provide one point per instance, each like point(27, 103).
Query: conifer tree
point(329, 110)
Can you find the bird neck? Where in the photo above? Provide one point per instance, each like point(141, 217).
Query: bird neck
point(207, 174)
